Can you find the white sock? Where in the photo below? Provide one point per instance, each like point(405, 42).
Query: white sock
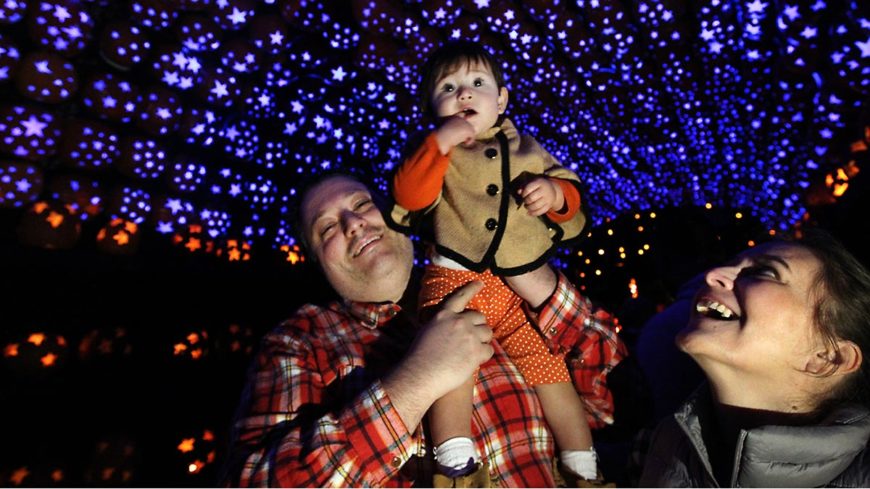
point(455, 455)
point(581, 462)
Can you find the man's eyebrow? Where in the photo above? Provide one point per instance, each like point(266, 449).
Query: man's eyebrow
point(349, 196)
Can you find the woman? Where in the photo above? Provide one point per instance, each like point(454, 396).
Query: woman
point(780, 334)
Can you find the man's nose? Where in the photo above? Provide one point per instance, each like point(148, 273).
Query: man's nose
point(353, 223)
point(722, 277)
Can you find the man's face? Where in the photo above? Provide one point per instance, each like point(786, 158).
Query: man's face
point(362, 258)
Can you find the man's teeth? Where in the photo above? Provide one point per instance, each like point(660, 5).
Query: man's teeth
point(713, 309)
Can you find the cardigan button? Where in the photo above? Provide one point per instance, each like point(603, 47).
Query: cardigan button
point(491, 224)
point(492, 189)
point(396, 462)
point(490, 153)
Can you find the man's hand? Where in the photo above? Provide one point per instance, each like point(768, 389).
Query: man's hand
point(446, 353)
point(541, 195)
point(455, 341)
point(453, 131)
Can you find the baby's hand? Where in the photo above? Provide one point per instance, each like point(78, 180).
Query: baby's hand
point(455, 130)
point(542, 195)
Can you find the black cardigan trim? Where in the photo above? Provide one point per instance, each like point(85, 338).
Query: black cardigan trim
point(488, 260)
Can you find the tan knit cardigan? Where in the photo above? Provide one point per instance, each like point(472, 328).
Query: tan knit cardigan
point(479, 221)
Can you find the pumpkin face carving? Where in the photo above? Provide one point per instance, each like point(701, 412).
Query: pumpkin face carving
point(20, 183)
point(119, 237)
point(35, 353)
point(197, 452)
point(49, 225)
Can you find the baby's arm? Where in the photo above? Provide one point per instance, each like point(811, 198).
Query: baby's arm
point(453, 131)
point(418, 181)
point(542, 195)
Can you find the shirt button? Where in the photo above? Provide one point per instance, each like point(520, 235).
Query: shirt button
point(491, 224)
point(553, 330)
point(492, 189)
point(396, 462)
point(490, 153)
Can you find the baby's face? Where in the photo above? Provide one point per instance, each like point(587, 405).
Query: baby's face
point(472, 93)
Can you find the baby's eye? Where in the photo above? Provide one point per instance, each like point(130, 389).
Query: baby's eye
point(448, 87)
point(478, 82)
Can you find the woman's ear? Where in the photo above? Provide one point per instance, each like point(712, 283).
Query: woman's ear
point(845, 359)
point(849, 356)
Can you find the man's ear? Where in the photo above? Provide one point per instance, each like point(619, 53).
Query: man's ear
point(502, 99)
point(844, 360)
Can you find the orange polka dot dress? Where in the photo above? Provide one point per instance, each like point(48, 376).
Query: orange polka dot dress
point(505, 315)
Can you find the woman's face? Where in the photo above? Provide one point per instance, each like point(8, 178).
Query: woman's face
point(752, 320)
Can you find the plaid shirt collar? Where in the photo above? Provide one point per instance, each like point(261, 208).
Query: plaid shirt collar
point(370, 315)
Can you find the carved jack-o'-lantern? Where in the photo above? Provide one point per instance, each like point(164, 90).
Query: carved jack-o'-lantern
point(194, 345)
point(268, 33)
point(46, 77)
point(50, 225)
point(153, 14)
point(293, 253)
point(175, 66)
point(198, 32)
point(105, 343)
point(193, 239)
point(234, 250)
point(82, 194)
point(20, 183)
point(221, 87)
point(160, 112)
point(88, 145)
point(142, 157)
point(235, 340)
point(28, 133)
point(119, 237)
point(124, 45)
point(12, 11)
point(64, 26)
point(36, 353)
point(9, 57)
point(232, 16)
point(114, 464)
point(197, 452)
point(111, 97)
point(39, 474)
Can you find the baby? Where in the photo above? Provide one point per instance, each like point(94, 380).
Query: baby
point(500, 205)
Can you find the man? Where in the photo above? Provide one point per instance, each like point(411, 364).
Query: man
point(337, 393)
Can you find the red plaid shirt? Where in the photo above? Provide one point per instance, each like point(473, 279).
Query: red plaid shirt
point(314, 412)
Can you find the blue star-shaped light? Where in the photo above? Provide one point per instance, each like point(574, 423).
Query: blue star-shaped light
point(33, 127)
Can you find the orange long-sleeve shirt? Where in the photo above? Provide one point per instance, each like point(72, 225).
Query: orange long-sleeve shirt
point(418, 182)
